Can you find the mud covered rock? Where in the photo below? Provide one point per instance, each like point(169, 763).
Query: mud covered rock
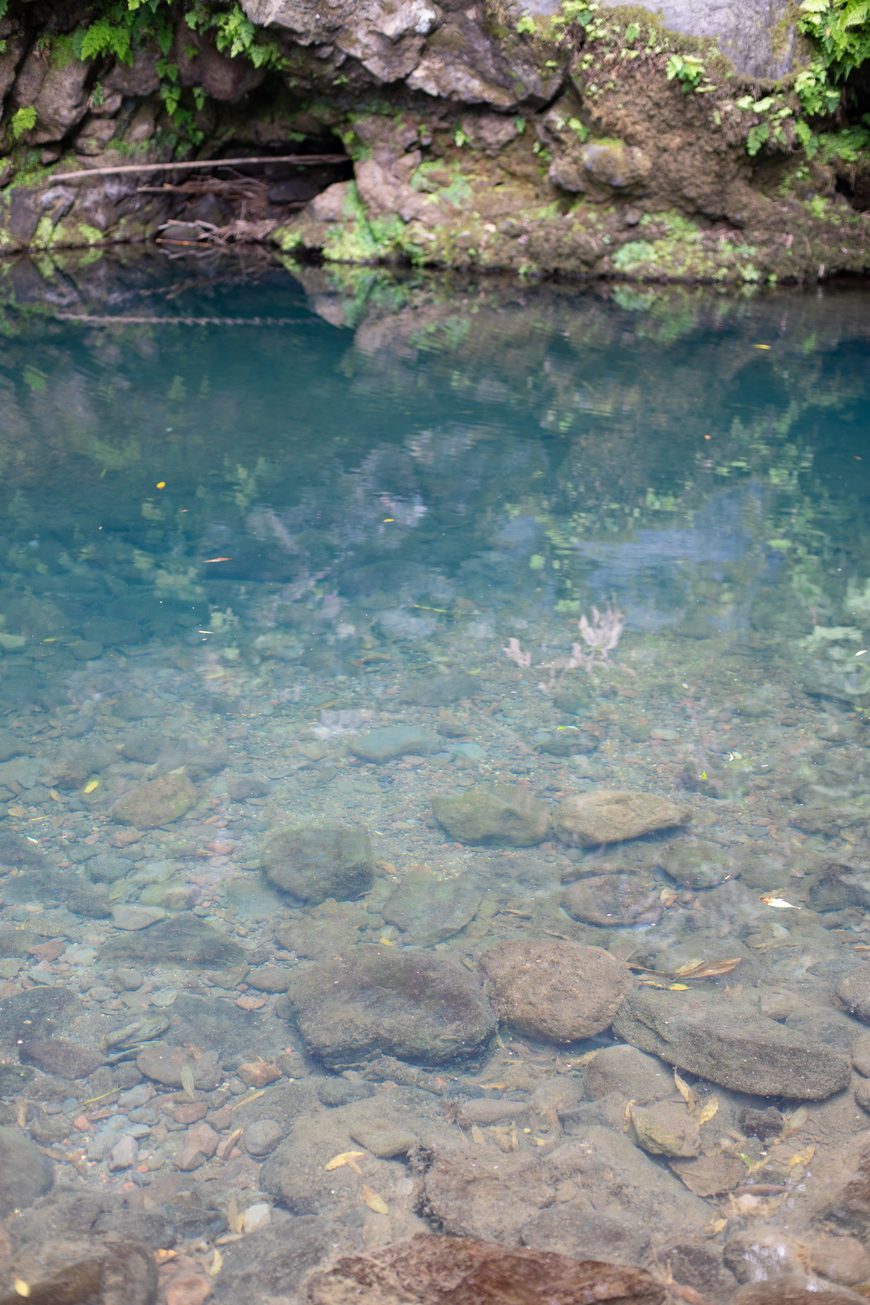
point(409, 1004)
point(25, 1173)
point(156, 802)
point(613, 816)
point(315, 862)
point(504, 814)
point(430, 1270)
point(732, 1045)
point(557, 990)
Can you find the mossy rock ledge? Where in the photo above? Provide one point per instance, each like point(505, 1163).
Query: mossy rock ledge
point(502, 136)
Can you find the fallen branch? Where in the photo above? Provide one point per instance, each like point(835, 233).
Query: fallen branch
point(298, 160)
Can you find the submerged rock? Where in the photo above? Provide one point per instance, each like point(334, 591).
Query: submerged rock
point(372, 1001)
point(392, 741)
point(430, 909)
point(315, 862)
point(440, 690)
point(665, 1128)
point(156, 802)
point(699, 864)
point(615, 899)
point(76, 1270)
point(731, 1045)
point(25, 1173)
point(183, 940)
point(60, 1057)
point(557, 990)
point(432, 1270)
point(493, 813)
point(612, 816)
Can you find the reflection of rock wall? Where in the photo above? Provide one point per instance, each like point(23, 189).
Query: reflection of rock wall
point(493, 135)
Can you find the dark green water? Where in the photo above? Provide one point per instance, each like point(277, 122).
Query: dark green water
point(245, 523)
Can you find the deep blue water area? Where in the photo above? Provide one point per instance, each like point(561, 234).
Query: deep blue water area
point(434, 791)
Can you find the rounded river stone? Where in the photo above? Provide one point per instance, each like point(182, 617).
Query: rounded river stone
point(612, 816)
point(156, 802)
point(615, 899)
point(699, 863)
point(315, 862)
point(377, 1001)
point(493, 813)
point(557, 990)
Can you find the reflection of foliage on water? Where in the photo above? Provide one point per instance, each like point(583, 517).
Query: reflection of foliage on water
point(512, 431)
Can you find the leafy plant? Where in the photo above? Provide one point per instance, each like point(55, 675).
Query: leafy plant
point(841, 28)
point(525, 25)
point(687, 69)
point(22, 121)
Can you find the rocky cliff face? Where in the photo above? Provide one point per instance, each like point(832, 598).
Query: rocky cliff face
point(585, 139)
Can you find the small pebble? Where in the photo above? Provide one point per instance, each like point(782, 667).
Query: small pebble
point(124, 1154)
point(262, 1136)
point(256, 1216)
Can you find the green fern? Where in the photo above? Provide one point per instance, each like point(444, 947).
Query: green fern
point(103, 38)
point(841, 28)
point(22, 121)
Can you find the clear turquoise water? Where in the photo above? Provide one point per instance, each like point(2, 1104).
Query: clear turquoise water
point(237, 537)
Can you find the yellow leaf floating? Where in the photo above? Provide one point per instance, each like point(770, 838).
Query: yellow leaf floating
point(373, 1201)
point(344, 1158)
point(678, 987)
point(217, 1263)
point(21, 1287)
point(91, 786)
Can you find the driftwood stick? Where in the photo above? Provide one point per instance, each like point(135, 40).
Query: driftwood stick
point(300, 160)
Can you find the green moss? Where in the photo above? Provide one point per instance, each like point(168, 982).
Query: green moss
point(678, 250)
point(43, 235)
point(88, 235)
point(287, 239)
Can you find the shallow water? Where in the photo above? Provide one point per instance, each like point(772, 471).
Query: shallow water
point(571, 542)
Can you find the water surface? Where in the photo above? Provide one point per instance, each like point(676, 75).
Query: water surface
point(558, 541)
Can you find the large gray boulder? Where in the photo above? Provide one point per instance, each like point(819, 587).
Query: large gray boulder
point(731, 1044)
point(373, 1001)
point(758, 36)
